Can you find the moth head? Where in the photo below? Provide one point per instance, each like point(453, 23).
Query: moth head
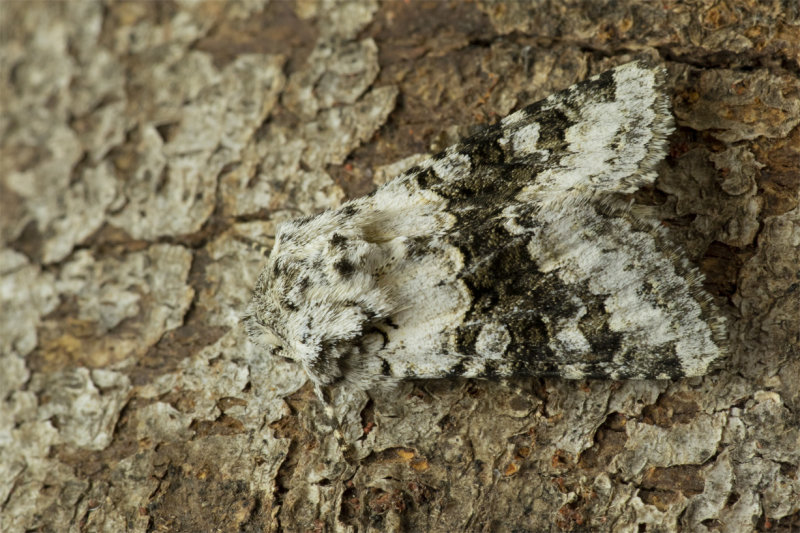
point(274, 319)
point(316, 303)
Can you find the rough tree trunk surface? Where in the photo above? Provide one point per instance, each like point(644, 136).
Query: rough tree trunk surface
point(147, 145)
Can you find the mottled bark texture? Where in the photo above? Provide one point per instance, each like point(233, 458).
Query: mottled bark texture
point(146, 146)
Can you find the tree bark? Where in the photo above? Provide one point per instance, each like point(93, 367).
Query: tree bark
point(147, 146)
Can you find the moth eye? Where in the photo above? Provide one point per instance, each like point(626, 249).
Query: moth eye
point(269, 337)
point(262, 335)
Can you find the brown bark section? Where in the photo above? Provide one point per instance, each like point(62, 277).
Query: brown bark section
point(145, 147)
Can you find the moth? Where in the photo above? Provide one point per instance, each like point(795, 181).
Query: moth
point(511, 253)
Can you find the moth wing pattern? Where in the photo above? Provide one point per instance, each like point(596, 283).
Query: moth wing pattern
point(507, 254)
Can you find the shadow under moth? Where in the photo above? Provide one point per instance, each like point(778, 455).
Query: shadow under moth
point(511, 253)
